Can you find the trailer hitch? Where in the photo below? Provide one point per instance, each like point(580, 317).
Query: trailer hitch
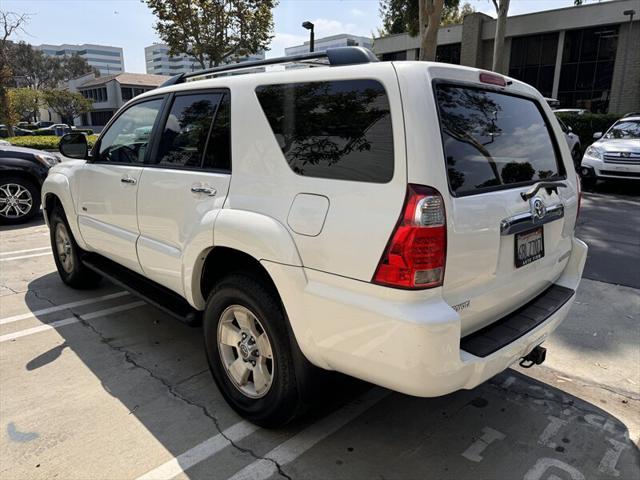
point(534, 357)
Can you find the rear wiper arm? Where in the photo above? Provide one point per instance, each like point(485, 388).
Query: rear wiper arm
point(550, 186)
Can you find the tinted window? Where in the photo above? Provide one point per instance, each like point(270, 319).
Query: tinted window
point(186, 130)
point(492, 139)
point(218, 155)
point(127, 138)
point(338, 130)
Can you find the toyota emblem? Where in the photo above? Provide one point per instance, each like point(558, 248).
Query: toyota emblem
point(538, 209)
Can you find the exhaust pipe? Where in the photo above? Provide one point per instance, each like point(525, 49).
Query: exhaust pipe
point(534, 357)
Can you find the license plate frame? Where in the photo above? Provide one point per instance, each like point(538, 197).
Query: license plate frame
point(528, 246)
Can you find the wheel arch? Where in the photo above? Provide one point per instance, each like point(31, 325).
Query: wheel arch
point(56, 191)
point(241, 239)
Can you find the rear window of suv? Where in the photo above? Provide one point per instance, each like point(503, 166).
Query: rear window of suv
point(335, 129)
point(493, 140)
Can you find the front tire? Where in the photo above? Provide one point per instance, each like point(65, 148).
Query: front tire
point(250, 352)
point(19, 200)
point(67, 254)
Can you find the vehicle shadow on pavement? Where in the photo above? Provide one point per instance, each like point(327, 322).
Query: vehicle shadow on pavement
point(155, 367)
point(36, 221)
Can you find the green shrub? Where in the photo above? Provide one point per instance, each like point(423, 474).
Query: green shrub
point(41, 142)
point(587, 124)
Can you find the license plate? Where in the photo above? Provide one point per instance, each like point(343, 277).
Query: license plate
point(529, 247)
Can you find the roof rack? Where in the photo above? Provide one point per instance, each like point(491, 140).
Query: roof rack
point(335, 56)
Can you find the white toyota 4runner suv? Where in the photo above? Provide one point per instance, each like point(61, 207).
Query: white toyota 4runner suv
point(407, 223)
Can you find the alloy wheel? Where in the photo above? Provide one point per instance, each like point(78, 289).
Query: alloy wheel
point(245, 351)
point(15, 200)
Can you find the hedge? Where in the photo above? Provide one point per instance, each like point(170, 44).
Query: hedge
point(587, 124)
point(49, 142)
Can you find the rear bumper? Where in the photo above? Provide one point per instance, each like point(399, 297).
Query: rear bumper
point(390, 338)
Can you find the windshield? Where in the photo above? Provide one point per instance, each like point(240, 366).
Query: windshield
point(626, 129)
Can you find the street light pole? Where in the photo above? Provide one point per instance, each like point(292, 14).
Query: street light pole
point(630, 14)
point(309, 26)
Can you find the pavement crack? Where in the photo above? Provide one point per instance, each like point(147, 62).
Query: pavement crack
point(10, 289)
point(42, 297)
point(172, 391)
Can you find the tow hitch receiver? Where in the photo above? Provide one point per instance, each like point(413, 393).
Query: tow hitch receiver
point(534, 357)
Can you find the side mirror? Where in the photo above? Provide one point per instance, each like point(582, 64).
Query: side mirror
point(597, 135)
point(569, 129)
point(74, 145)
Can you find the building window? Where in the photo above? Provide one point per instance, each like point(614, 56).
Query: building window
point(127, 93)
point(101, 118)
point(587, 68)
point(448, 53)
point(533, 60)
point(394, 56)
point(96, 94)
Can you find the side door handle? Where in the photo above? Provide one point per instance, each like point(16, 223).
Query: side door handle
point(206, 190)
point(129, 180)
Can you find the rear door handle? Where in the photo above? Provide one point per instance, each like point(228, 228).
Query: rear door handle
point(129, 180)
point(209, 191)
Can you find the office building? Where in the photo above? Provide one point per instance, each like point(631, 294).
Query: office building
point(585, 56)
point(321, 44)
point(108, 60)
point(159, 62)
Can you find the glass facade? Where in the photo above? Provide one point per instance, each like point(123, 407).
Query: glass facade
point(449, 53)
point(587, 68)
point(533, 60)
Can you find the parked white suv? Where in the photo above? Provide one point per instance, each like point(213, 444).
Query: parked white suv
point(616, 154)
point(410, 224)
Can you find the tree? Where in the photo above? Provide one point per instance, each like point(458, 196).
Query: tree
point(26, 103)
point(68, 105)
point(502, 7)
point(429, 15)
point(401, 16)
point(214, 31)
point(10, 23)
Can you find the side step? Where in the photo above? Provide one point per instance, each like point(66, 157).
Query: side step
point(157, 295)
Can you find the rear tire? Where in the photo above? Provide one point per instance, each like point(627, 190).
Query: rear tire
point(258, 377)
point(68, 255)
point(19, 200)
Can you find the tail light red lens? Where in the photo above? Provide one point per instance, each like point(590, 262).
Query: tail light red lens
point(416, 254)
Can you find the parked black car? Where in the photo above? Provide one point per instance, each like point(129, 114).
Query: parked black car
point(22, 171)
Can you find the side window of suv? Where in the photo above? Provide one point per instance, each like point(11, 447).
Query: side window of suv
point(339, 129)
point(127, 138)
point(188, 131)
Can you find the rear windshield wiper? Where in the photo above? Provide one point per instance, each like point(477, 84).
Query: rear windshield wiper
point(550, 186)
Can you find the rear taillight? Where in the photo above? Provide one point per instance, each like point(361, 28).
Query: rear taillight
point(416, 254)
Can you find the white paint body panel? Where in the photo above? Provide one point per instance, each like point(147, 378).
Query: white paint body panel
point(107, 211)
point(171, 217)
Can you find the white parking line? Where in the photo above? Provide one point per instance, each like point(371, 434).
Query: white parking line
point(57, 308)
point(26, 251)
point(25, 256)
point(200, 452)
point(303, 441)
point(69, 320)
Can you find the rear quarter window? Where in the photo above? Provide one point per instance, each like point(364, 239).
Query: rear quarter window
point(335, 129)
point(493, 140)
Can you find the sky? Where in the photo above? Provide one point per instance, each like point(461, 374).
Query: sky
point(129, 23)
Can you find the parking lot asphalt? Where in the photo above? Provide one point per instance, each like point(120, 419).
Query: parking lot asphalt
point(96, 384)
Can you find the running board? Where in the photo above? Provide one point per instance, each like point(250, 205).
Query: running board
point(151, 292)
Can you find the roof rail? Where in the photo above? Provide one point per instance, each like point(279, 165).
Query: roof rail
point(335, 56)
